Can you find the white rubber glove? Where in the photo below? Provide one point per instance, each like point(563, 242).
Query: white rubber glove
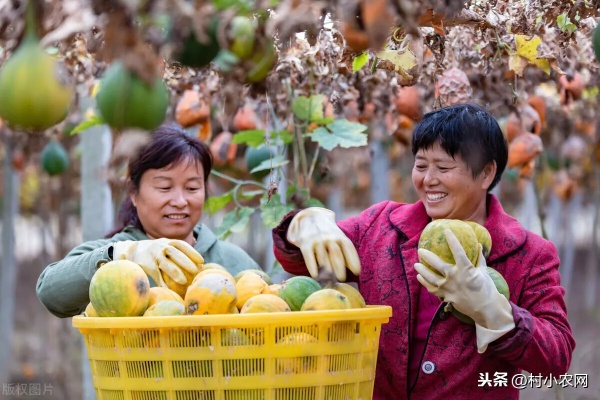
point(168, 255)
point(470, 290)
point(322, 243)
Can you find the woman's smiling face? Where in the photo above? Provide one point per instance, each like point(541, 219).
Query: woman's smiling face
point(446, 185)
point(169, 200)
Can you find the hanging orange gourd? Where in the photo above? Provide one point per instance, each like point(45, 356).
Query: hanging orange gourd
point(191, 109)
point(223, 149)
point(523, 149)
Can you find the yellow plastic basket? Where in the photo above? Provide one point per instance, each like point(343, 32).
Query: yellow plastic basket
point(236, 357)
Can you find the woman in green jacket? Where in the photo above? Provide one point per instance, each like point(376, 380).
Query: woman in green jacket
point(159, 225)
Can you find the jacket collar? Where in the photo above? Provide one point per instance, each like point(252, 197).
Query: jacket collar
point(205, 238)
point(507, 233)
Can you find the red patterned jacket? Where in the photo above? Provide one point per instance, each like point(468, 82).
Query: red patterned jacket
point(386, 237)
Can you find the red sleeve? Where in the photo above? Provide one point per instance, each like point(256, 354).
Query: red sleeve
point(542, 341)
point(288, 255)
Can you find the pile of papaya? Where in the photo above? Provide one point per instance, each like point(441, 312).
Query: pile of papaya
point(122, 289)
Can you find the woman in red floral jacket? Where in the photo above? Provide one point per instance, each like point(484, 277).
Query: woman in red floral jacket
point(425, 352)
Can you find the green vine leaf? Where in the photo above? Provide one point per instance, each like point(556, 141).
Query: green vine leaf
point(360, 61)
point(216, 203)
point(284, 135)
point(253, 138)
point(94, 120)
point(564, 23)
point(273, 211)
point(340, 132)
point(234, 221)
point(275, 162)
point(309, 108)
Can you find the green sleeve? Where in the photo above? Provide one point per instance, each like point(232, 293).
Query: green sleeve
point(63, 286)
point(231, 256)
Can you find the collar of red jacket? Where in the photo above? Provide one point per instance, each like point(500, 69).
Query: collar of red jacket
point(507, 233)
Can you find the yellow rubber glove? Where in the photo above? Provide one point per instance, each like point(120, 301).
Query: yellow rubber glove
point(322, 243)
point(470, 290)
point(168, 255)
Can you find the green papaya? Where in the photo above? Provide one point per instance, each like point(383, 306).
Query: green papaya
point(263, 61)
point(125, 101)
point(196, 54)
point(241, 36)
point(54, 158)
point(254, 156)
point(34, 94)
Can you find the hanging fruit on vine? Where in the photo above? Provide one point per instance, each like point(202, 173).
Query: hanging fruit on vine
point(571, 87)
point(523, 149)
point(453, 87)
point(54, 158)
point(241, 36)
point(199, 50)
point(125, 101)
point(34, 94)
point(191, 109)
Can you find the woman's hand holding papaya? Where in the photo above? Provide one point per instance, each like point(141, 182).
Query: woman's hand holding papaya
point(154, 256)
point(470, 290)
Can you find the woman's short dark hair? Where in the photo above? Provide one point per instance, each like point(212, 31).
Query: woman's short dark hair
point(464, 129)
point(168, 145)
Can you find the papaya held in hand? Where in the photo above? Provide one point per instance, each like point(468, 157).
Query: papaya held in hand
point(34, 94)
point(433, 239)
point(469, 288)
point(322, 243)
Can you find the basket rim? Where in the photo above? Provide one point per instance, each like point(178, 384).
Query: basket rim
point(371, 312)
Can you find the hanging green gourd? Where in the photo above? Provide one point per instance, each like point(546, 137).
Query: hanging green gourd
point(33, 92)
point(125, 101)
point(54, 158)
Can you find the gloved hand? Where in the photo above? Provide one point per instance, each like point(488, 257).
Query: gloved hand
point(470, 290)
point(168, 255)
point(322, 243)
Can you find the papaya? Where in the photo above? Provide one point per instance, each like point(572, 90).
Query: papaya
point(273, 289)
point(89, 311)
point(197, 54)
point(295, 365)
point(54, 158)
point(248, 286)
point(125, 101)
point(356, 299)
point(120, 288)
point(234, 337)
point(296, 289)
point(241, 36)
point(258, 272)
point(34, 94)
point(501, 285)
point(596, 41)
point(326, 299)
point(204, 272)
point(262, 303)
point(263, 60)
point(254, 156)
point(212, 293)
point(433, 238)
point(483, 237)
point(165, 308)
point(176, 287)
point(159, 293)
